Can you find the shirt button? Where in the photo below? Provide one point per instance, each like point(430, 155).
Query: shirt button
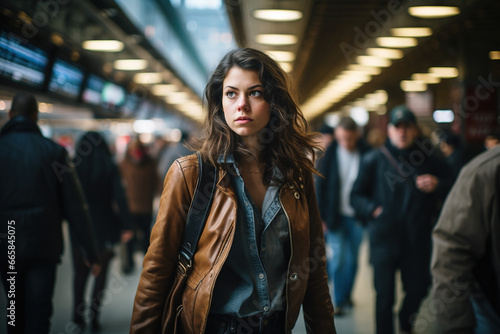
point(263, 249)
point(294, 277)
point(266, 308)
point(261, 276)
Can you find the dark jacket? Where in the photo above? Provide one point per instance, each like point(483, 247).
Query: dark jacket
point(466, 255)
point(306, 277)
point(141, 183)
point(328, 188)
point(38, 189)
point(408, 213)
point(101, 183)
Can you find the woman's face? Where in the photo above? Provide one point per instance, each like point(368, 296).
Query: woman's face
point(245, 109)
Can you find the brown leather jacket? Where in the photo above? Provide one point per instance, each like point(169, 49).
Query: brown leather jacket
point(306, 278)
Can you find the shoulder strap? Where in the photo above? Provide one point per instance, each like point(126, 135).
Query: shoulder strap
point(389, 157)
point(200, 205)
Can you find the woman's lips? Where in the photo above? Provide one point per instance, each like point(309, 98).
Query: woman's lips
point(243, 120)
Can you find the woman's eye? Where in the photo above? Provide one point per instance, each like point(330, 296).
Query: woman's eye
point(230, 94)
point(256, 93)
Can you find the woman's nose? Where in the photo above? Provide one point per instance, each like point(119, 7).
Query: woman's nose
point(242, 103)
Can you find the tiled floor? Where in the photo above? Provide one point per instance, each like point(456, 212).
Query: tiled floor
point(121, 290)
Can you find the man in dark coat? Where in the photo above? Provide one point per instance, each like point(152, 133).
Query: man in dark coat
point(39, 189)
point(395, 193)
point(466, 254)
point(340, 167)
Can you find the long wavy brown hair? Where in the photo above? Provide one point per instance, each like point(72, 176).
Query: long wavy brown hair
point(285, 141)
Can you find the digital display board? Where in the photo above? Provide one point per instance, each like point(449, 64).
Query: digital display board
point(21, 62)
point(93, 89)
point(112, 96)
point(66, 79)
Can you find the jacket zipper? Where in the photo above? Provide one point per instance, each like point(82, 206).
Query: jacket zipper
point(289, 261)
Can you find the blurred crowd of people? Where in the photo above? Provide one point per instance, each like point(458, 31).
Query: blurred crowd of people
point(104, 201)
point(396, 192)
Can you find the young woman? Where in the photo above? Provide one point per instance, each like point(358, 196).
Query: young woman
point(261, 254)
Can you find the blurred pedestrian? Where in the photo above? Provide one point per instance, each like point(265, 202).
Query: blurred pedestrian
point(466, 254)
point(174, 152)
point(39, 189)
point(139, 173)
point(492, 139)
point(395, 193)
point(344, 233)
point(261, 255)
point(451, 146)
point(101, 183)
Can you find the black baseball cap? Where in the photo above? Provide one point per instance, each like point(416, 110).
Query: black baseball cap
point(400, 114)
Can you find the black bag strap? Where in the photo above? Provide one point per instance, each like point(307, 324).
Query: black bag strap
point(197, 215)
point(389, 157)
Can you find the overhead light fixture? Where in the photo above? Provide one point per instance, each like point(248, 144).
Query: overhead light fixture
point(279, 15)
point(287, 67)
point(443, 116)
point(495, 55)
point(426, 77)
point(444, 72)
point(177, 98)
point(130, 64)
point(385, 53)
point(396, 42)
point(144, 126)
point(367, 69)
point(282, 55)
point(276, 39)
point(433, 12)
point(165, 89)
point(147, 78)
point(103, 45)
point(413, 86)
point(373, 61)
point(411, 32)
point(354, 77)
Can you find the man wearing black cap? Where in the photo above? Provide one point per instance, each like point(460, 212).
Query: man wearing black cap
point(39, 189)
point(395, 194)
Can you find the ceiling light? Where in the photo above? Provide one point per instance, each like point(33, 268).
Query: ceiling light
point(163, 90)
point(495, 55)
point(425, 77)
point(413, 86)
point(103, 45)
point(385, 53)
point(287, 67)
point(280, 15)
point(276, 39)
point(130, 64)
point(354, 77)
point(147, 78)
point(282, 55)
point(373, 61)
point(433, 12)
point(144, 126)
point(367, 69)
point(381, 96)
point(177, 98)
point(443, 116)
point(411, 32)
point(396, 42)
point(444, 72)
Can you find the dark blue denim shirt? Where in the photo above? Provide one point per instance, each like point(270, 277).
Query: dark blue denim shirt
point(252, 280)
